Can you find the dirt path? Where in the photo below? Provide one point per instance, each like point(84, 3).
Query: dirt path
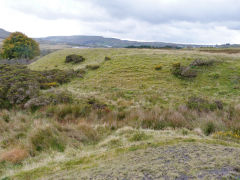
point(180, 161)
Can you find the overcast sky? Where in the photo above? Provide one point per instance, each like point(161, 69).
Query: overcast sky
point(181, 21)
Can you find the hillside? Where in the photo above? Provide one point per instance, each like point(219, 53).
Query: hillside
point(122, 113)
point(4, 34)
point(131, 76)
point(98, 41)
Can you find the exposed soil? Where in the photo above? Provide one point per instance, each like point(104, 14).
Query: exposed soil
point(182, 161)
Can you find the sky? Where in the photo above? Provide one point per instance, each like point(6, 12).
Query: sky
point(177, 21)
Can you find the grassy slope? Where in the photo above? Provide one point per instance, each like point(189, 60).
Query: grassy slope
point(130, 78)
point(150, 154)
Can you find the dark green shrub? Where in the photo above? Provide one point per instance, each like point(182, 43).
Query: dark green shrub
point(6, 117)
point(73, 58)
point(107, 58)
point(209, 128)
point(49, 97)
point(18, 84)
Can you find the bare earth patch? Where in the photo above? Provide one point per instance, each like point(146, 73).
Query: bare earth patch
point(181, 161)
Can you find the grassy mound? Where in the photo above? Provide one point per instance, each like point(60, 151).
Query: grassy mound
point(130, 77)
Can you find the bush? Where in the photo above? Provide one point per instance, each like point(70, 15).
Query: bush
point(201, 104)
point(19, 46)
point(49, 85)
point(182, 71)
point(47, 139)
point(93, 66)
point(73, 58)
point(49, 97)
point(68, 112)
point(209, 128)
point(200, 62)
point(158, 67)
point(107, 58)
point(18, 84)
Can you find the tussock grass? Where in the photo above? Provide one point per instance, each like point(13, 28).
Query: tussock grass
point(124, 91)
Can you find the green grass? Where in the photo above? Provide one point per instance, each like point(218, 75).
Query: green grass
point(97, 157)
point(78, 143)
point(130, 76)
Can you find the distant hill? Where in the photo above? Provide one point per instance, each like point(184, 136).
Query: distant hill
point(99, 41)
point(4, 34)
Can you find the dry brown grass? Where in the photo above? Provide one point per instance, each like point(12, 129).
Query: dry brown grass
point(14, 155)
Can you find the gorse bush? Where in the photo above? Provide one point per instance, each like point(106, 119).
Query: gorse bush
point(158, 67)
point(49, 97)
point(18, 84)
point(19, 46)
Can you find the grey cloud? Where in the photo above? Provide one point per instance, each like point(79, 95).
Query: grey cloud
point(152, 11)
point(186, 21)
point(161, 11)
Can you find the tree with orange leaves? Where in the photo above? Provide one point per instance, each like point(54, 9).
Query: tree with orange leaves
point(19, 46)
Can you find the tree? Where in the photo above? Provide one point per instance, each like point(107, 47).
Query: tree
point(18, 45)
